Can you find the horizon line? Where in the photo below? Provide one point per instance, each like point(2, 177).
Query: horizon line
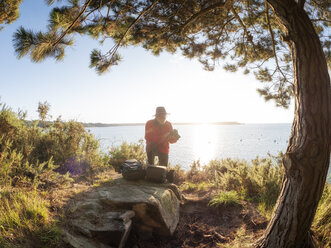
point(174, 123)
point(100, 124)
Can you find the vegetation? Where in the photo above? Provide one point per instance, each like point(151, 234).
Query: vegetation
point(322, 221)
point(285, 43)
point(9, 11)
point(258, 182)
point(126, 151)
point(242, 240)
point(34, 161)
point(226, 198)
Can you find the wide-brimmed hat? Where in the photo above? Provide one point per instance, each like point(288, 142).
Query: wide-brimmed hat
point(160, 111)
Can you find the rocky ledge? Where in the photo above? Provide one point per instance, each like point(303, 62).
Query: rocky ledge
point(104, 216)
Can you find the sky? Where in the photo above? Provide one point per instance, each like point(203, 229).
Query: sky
point(131, 91)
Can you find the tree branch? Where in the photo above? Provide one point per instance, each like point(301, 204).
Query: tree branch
point(203, 12)
point(113, 51)
point(248, 35)
point(320, 20)
point(85, 17)
point(272, 38)
point(73, 23)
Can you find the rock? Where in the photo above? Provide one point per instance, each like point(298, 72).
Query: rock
point(106, 215)
point(110, 228)
point(78, 241)
point(155, 206)
point(89, 209)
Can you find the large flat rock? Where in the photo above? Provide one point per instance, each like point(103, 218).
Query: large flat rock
point(104, 216)
point(154, 206)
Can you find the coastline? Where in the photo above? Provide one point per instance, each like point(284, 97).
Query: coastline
point(174, 123)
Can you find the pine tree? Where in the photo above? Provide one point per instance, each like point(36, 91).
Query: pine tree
point(285, 43)
point(9, 11)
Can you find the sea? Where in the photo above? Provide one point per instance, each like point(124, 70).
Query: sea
point(205, 142)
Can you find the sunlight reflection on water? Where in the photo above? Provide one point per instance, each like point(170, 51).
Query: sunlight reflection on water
point(204, 147)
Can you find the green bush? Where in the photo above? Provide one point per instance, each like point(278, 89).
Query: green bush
point(125, 151)
point(267, 175)
point(179, 174)
point(33, 154)
point(195, 173)
point(259, 181)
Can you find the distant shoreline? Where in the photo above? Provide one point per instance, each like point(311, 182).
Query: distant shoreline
point(174, 123)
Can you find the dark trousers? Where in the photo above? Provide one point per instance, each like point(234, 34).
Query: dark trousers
point(163, 158)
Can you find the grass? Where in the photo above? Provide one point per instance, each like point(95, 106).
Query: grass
point(102, 177)
point(26, 214)
point(190, 187)
point(242, 240)
point(227, 198)
point(322, 221)
point(22, 210)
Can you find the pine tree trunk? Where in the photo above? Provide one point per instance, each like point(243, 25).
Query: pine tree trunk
point(307, 157)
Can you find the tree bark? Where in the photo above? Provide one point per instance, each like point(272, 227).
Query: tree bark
point(307, 158)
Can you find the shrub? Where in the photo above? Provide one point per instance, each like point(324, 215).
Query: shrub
point(30, 154)
point(125, 151)
point(196, 173)
point(16, 170)
point(179, 174)
point(267, 177)
point(259, 181)
point(188, 187)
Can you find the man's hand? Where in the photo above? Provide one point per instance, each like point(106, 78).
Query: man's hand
point(173, 135)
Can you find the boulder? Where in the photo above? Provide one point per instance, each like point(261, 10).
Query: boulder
point(104, 229)
point(78, 241)
point(154, 206)
point(103, 218)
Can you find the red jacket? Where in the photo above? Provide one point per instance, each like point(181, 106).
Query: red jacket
point(156, 134)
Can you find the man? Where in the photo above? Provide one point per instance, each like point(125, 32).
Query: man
point(158, 134)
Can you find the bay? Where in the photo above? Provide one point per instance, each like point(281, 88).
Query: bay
point(207, 142)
